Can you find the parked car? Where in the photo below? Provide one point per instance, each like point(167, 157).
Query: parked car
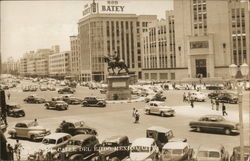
point(51, 88)
point(214, 94)
point(93, 101)
point(34, 99)
point(72, 100)
point(156, 107)
point(66, 90)
point(14, 110)
point(27, 130)
point(75, 127)
point(212, 154)
point(113, 148)
point(32, 88)
point(214, 123)
point(43, 88)
point(228, 98)
point(236, 153)
point(198, 96)
point(103, 90)
point(143, 149)
point(52, 143)
point(162, 135)
point(155, 97)
point(176, 151)
point(56, 105)
point(79, 147)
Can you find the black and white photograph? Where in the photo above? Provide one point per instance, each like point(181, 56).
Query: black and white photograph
point(125, 80)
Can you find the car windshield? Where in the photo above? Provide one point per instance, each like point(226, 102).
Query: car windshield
point(75, 142)
point(140, 149)
point(202, 154)
point(110, 144)
point(177, 151)
point(49, 141)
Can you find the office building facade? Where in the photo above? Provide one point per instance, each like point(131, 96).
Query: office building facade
point(104, 34)
point(211, 35)
point(75, 57)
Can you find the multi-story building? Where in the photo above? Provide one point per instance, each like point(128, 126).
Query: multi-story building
point(159, 50)
point(55, 49)
point(75, 57)
point(23, 66)
point(59, 64)
point(104, 34)
point(31, 67)
point(42, 67)
point(211, 35)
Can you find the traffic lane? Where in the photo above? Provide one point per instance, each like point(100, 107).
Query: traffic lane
point(121, 123)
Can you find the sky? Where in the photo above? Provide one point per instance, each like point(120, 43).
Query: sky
point(32, 25)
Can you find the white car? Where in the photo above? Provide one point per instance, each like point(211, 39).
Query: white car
point(54, 141)
point(157, 107)
point(143, 149)
point(198, 96)
point(212, 154)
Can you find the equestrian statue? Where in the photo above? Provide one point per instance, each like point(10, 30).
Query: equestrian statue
point(114, 62)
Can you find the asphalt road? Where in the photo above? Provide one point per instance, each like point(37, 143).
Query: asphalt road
point(116, 119)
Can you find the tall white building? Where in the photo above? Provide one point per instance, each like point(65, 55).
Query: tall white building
point(75, 57)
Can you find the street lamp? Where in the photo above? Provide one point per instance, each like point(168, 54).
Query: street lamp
point(233, 69)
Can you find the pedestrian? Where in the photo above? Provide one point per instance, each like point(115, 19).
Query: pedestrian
point(34, 123)
point(224, 110)
point(189, 97)
point(17, 150)
point(212, 104)
point(8, 95)
point(133, 114)
point(192, 103)
point(137, 116)
point(184, 97)
point(217, 103)
point(10, 152)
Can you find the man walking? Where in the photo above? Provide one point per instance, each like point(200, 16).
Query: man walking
point(217, 103)
point(137, 116)
point(224, 110)
point(133, 114)
point(18, 147)
point(8, 95)
point(192, 103)
point(184, 97)
point(10, 152)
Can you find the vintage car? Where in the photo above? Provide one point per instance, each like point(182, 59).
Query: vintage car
point(176, 151)
point(71, 100)
point(79, 147)
point(198, 96)
point(94, 102)
point(75, 127)
point(156, 107)
point(228, 98)
point(113, 148)
point(214, 94)
point(162, 135)
point(212, 154)
point(52, 144)
point(56, 105)
point(236, 153)
point(27, 130)
point(214, 123)
point(143, 149)
point(33, 88)
point(43, 88)
point(214, 87)
point(156, 97)
point(14, 110)
point(103, 90)
point(34, 99)
point(66, 90)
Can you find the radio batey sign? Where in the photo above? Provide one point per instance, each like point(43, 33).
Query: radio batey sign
point(112, 6)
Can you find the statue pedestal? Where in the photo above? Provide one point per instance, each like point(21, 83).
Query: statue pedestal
point(118, 87)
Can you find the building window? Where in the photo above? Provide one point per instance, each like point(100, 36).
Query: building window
point(153, 76)
point(172, 76)
point(146, 76)
point(138, 24)
point(163, 76)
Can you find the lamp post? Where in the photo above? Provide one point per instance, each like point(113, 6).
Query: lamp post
point(244, 69)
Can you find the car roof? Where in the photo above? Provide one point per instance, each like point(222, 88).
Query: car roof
point(175, 145)
point(143, 142)
point(246, 149)
point(159, 129)
point(207, 148)
point(56, 135)
point(115, 139)
point(81, 137)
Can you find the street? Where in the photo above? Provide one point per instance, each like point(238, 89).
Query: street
point(116, 118)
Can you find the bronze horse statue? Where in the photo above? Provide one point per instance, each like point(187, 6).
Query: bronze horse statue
point(115, 63)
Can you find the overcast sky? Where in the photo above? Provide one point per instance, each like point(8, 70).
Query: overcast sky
point(30, 25)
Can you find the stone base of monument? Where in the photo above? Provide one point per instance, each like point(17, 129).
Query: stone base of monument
point(118, 87)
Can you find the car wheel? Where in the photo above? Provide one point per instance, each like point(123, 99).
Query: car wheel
point(148, 112)
point(32, 137)
point(13, 135)
point(162, 114)
point(227, 131)
point(198, 129)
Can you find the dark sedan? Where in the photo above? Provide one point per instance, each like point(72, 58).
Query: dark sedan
point(34, 99)
point(228, 98)
point(14, 110)
point(214, 123)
